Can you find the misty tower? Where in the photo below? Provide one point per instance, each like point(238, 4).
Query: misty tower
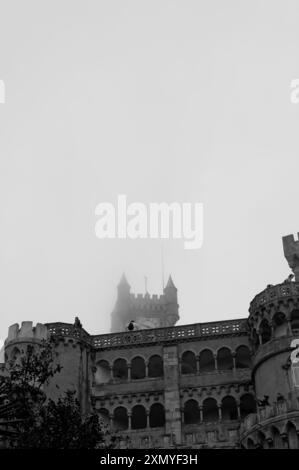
point(146, 310)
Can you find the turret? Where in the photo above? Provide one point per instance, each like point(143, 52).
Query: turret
point(273, 325)
point(171, 301)
point(291, 253)
point(119, 316)
point(146, 310)
point(72, 351)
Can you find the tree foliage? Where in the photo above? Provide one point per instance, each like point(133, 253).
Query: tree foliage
point(31, 419)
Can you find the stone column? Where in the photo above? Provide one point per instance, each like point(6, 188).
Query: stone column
point(219, 413)
point(147, 419)
point(216, 362)
point(129, 420)
point(234, 360)
point(172, 394)
point(129, 372)
point(201, 414)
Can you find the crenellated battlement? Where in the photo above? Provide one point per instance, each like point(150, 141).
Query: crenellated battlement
point(148, 298)
point(26, 332)
point(148, 302)
point(291, 253)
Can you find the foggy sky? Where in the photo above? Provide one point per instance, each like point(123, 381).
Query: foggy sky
point(164, 101)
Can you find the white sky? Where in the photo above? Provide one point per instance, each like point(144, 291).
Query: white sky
point(185, 101)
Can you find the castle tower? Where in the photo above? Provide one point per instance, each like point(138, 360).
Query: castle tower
point(146, 310)
point(71, 348)
point(274, 324)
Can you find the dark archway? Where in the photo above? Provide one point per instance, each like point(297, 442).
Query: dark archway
point(243, 357)
point(138, 418)
point(191, 412)
point(292, 436)
point(247, 405)
point(210, 410)
point(229, 408)
point(157, 416)
point(137, 368)
point(188, 365)
point(276, 438)
point(206, 361)
point(155, 366)
point(120, 369)
point(120, 419)
point(225, 359)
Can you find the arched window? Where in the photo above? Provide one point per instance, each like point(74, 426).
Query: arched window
point(206, 361)
point(104, 416)
point(295, 321)
point(276, 438)
point(210, 410)
point(229, 408)
point(137, 368)
point(191, 412)
point(247, 405)
point(103, 372)
point(280, 325)
point(138, 417)
point(155, 366)
point(225, 359)
point(265, 331)
point(243, 357)
point(120, 419)
point(292, 436)
point(188, 363)
point(120, 369)
point(157, 416)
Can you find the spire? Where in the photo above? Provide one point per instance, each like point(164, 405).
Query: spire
point(123, 282)
point(170, 284)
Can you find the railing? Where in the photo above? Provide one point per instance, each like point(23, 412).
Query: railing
point(272, 293)
point(175, 333)
point(65, 329)
point(267, 412)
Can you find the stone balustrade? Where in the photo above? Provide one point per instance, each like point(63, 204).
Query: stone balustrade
point(266, 412)
point(274, 293)
point(147, 336)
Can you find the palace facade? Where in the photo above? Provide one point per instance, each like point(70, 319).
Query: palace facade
point(223, 384)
